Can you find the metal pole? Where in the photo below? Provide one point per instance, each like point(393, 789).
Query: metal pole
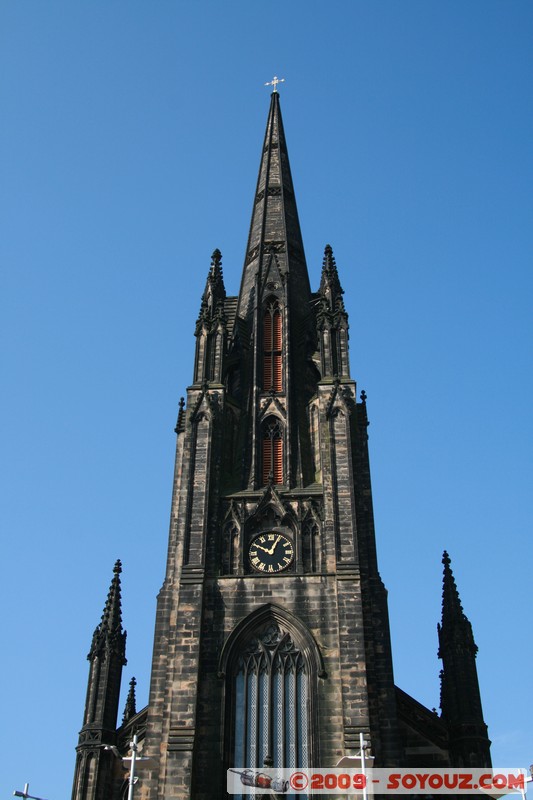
point(362, 744)
point(133, 746)
point(26, 793)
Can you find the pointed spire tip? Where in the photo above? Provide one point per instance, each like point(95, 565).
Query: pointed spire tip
point(130, 708)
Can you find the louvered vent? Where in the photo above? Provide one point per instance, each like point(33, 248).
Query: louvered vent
point(272, 349)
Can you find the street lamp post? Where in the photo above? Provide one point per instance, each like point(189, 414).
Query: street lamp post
point(362, 759)
point(134, 747)
point(131, 781)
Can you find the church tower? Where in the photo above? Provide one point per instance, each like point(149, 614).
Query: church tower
point(272, 643)
point(272, 640)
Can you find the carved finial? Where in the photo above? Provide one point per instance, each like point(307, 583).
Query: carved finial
point(329, 283)
point(329, 260)
point(274, 83)
point(130, 708)
point(363, 397)
point(329, 264)
point(180, 424)
point(452, 610)
point(216, 262)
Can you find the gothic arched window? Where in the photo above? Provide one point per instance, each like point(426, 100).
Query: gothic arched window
point(270, 702)
point(230, 555)
point(334, 352)
point(272, 665)
point(310, 546)
point(314, 430)
point(272, 346)
point(272, 455)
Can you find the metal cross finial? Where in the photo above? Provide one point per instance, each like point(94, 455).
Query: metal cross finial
point(274, 82)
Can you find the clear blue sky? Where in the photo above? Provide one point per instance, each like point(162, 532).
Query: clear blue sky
point(130, 142)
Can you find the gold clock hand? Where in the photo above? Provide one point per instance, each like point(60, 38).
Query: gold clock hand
point(258, 547)
point(271, 551)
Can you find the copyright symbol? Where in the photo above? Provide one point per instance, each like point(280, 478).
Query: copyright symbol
point(298, 781)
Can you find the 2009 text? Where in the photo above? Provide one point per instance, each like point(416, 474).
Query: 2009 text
point(336, 781)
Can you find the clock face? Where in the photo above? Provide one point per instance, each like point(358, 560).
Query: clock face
point(270, 552)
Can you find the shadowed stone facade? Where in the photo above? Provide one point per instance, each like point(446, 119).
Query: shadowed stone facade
point(272, 643)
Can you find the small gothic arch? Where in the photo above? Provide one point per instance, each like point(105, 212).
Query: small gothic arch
point(336, 364)
point(272, 499)
point(272, 449)
point(271, 406)
point(230, 548)
point(200, 410)
point(232, 379)
point(314, 436)
point(311, 543)
point(340, 401)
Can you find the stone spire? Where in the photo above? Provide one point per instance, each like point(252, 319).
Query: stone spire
point(332, 321)
point(130, 709)
point(214, 293)
point(211, 326)
point(109, 635)
point(460, 695)
point(452, 610)
point(107, 656)
point(330, 285)
point(274, 229)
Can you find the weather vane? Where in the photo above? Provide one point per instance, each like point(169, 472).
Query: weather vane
point(274, 82)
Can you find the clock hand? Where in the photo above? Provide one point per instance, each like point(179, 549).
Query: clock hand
point(258, 547)
point(271, 551)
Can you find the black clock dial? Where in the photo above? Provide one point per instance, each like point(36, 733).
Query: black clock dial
point(270, 552)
